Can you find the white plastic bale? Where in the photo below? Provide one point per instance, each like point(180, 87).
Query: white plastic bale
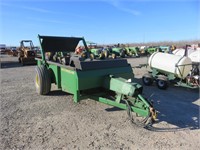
point(180, 66)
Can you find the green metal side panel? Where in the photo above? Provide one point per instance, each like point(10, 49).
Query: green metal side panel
point(95, 78)
point(69, 83)
point(69, 80)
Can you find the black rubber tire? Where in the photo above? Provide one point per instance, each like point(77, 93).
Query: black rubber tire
point(147, 79)
point(42, 80)
point(22, 62)
point(101, 55)
point(19, 57)
point(92, 56)
point(47, 78)
point(162, 84)
point(122, 54)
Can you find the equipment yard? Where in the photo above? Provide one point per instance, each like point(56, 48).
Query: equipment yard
point(54, 121)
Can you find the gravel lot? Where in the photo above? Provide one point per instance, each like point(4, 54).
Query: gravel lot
point(30, 121)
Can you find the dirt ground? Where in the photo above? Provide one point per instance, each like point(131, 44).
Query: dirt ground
point(31, 121)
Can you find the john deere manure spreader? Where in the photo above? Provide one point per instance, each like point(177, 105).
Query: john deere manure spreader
point(104, 80)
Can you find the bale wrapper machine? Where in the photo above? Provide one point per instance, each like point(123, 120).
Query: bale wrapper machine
point(108, 81)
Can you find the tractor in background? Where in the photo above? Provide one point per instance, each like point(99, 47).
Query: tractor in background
point(132, 51)
point(26, 52)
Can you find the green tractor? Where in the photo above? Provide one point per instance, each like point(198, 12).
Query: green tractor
point(99, 53)
point(118, 52)
point(132, 51)
point(151, 49)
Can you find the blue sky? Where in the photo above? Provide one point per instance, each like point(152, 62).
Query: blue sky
point(101, 21)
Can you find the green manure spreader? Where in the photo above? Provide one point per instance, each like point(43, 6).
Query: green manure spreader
point(108, 80)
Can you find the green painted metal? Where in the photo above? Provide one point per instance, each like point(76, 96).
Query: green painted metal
point(96, 77)
point(130, 51)
point(155, 73)
point(186, 85)
point(38, 62)
point(151, 50)
point(121, 85)
point(143, 100)
point(73, 82)
point(171, 77)
point(117, 50)
point(78, 82)
point(141, 111)
point(41, 49)
point(95, 51)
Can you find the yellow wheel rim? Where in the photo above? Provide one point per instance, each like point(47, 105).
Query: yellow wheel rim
point(106, 54)
point(37, 81)
point(92, 56)
point(113, 56)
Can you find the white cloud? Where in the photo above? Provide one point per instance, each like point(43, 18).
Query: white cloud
point(118, 5)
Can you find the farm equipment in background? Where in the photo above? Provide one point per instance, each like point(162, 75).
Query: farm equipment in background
point(177, 69)
point(26, 52)
point(99, 53)
point(132, 51)
point(118, 52)
point(151, 49)
point(192, 53)
point(12, 51)
point(2, 48)
point(167, 49)
point(108, 81)
point(59, 57)
point(142, 50)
